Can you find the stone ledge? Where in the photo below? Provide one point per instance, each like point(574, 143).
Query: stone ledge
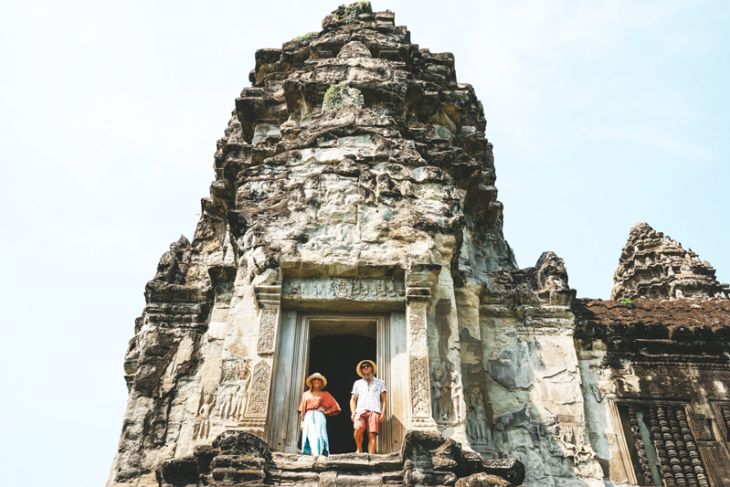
point(238, 458)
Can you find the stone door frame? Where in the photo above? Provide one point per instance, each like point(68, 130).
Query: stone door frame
point(290, 368)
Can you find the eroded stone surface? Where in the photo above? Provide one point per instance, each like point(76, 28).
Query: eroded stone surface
point(237, 459)
point(354, 177)
point(354, 157)
point(656, 359)
point(653, 265)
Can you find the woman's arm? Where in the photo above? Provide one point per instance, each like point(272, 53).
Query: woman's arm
point(330, 404)
point(302, 409)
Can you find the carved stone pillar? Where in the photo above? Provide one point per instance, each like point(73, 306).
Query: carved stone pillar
point(257, 406)
point(419, 282)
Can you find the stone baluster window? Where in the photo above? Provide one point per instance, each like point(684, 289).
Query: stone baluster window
point(661, 444)
point(724, 419)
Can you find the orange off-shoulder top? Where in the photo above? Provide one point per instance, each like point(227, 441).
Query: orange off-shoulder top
point(324, 401)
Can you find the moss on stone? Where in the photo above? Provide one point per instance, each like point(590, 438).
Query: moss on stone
point(341, 95)
point(628, 302)
point(349, 13)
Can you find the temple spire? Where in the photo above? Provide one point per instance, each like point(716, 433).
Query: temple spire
point(652, 265)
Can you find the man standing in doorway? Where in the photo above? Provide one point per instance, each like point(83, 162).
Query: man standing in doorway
point(367, 405)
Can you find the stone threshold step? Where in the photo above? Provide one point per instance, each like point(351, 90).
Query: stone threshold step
point(336, 479)
point(343, 462)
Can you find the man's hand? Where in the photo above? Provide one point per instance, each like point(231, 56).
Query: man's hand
point(382, 417)
point(353, 406)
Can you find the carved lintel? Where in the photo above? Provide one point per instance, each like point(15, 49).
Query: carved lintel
point(268, 296)
point(343, 289)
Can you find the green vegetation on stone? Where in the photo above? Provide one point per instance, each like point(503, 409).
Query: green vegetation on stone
point(349, 13)
point(628, 302)
point(339, 96)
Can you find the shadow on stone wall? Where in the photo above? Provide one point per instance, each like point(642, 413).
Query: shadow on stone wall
point(535, 410)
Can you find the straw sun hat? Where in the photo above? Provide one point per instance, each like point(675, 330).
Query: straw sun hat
point(372, 364)
point(316, 375)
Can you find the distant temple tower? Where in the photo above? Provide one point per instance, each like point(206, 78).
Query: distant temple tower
point(354, 215)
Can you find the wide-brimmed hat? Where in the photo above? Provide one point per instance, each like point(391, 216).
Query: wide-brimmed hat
point(372, 364)
point(316, 375)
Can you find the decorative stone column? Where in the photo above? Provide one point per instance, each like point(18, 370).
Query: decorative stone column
point(419, 282)
point(257, 406)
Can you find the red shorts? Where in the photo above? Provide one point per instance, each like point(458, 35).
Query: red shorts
point(368, 420)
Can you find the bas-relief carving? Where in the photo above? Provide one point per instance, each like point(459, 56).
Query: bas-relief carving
point(233, 389)
point(206, 403)
point(447, 395)
point(476, 423)
point(457, 396)
point(267, 330)
point(420, 381)
point(570, 442)
point(612, 382)
point(440, 387)
point(419, 388)
point(343, 288)
point(260, 385)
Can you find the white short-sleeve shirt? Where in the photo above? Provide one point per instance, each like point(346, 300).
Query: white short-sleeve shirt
point(368, 395)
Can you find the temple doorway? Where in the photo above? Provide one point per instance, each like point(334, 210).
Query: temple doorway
point(333, 345)
point(335, 356)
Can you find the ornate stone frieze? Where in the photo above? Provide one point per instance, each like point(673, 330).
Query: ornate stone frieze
point(342, 288)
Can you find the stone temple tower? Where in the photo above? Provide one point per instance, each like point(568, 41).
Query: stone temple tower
point(354, 214)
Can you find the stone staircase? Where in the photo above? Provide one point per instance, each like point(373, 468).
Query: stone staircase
point(346, 469)
point(240, 459)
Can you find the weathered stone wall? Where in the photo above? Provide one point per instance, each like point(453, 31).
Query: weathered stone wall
point(354, 154)
point(664, 354)
point(355, 177)
point(533, 385)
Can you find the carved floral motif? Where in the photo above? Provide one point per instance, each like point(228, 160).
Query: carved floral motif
point(260, 385)
point(420, 397)
point(267, 330)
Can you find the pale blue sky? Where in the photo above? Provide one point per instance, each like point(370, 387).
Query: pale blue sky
point(602, 114)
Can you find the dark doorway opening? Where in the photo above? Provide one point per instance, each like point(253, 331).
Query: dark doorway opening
point(336, 356)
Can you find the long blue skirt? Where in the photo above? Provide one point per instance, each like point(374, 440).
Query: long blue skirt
point(314, 434)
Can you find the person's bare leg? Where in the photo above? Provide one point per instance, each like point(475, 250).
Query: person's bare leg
point(372, 442)
point(358, 439)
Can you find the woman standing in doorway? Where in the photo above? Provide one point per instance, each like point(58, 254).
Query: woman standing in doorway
point(316, 404)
